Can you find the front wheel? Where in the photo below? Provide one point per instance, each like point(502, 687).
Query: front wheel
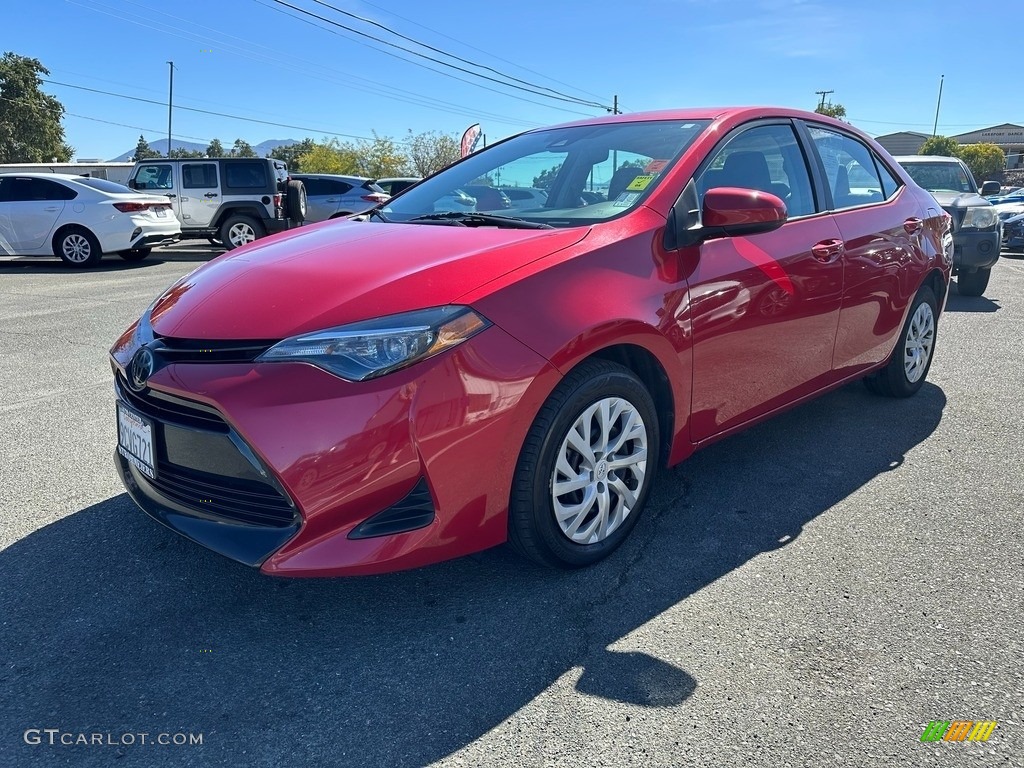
point(906, 370)
point(586, 468)
point(240, 230)
point(973, 283)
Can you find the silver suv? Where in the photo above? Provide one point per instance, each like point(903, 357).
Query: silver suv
point(229, 200)
point(331, 195)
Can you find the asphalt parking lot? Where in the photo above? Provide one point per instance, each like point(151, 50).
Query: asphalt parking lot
point(812, 592)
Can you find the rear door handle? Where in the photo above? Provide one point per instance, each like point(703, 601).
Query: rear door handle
point(210, 194)
point(913, 225)
point(51, 208)
point(828, 251)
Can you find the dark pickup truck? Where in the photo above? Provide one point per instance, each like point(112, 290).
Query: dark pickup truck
point(977, 230)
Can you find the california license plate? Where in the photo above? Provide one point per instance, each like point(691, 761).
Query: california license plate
point(135, 440)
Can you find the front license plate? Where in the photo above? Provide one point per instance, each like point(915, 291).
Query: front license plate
point(135, 440)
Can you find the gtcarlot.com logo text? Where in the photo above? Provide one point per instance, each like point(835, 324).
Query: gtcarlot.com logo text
point(56, 737)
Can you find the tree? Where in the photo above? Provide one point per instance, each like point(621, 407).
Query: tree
point(547, 177)
point(431, 151)
point(242, 148)
point(939, 145)
point(838, 111)
point(215, 149)
point(329, 157)
point(30, 129)
point(143, 151)
point(984, 160)
point(380, 158)
point(290, 154)
point(186, 154)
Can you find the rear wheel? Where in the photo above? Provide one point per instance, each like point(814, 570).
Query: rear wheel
point(296, 201)
point(135, 254)
point(240, 230)
point(906, 370)
point(77, 247)
point(973, 283)
point(586, 468)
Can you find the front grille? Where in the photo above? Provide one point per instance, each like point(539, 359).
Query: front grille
point(233, 498)
point(175, 350)
point(161, 406)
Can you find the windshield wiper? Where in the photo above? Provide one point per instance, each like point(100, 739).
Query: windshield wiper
point(482, 219)
point(376, 212)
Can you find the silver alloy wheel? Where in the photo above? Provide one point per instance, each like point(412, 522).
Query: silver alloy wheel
point(76, 248)
point(917, 349)
point(241, 233)
point(600, 470)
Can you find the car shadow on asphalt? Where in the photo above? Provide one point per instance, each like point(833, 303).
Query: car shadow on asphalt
point(111, 623)
point(977, 304)
point(46, 265)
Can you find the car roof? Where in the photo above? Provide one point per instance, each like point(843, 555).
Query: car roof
point(44, 175)
point(706, 113)
point(925, 159)
point(335, 176)
point(400, 178)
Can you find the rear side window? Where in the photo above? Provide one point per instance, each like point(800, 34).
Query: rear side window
point(246, 176)
point(889, 182)
point(767, 158)
point(17, 190)
point(199, 175)
point(850, 169)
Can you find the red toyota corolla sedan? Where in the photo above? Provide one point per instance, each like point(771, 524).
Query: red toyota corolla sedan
point(365, 396)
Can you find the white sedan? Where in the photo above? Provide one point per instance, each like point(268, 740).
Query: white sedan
point(78, 219)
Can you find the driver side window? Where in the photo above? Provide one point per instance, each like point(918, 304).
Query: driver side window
point(766, 158)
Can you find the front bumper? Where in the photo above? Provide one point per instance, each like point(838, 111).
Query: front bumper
point(975, 250)
point(383, 475)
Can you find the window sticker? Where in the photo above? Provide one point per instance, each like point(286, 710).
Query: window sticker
point(655, 166)
point(640, 183)
point(626, 199)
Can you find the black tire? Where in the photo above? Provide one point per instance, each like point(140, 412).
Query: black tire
point(77, 247)
point(893, 380)
point(240, 230)
point(534, 531)
point(295, 201)
point(973, 283)
point(135, 254)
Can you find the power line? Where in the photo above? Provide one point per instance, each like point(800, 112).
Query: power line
point(569, 100)
point(446, 53)
point(208, 112)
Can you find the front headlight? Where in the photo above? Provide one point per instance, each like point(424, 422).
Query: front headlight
point(980, 217)
point(371, 348)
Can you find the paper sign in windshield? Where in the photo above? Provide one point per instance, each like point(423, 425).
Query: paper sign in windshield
point(639, 183)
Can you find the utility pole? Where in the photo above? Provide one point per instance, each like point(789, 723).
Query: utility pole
point(170, 106)
point(823, 94)
point(615, 106)
point(935, 127)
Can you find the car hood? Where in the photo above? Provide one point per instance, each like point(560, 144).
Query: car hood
point(949, 200)
point(339, 272)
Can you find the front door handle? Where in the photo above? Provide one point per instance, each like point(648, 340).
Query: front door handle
point(828, 251)
point(913, 225)
point(169, 195)
point(51, 208)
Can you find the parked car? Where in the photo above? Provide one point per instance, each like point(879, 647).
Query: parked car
point(395, 185)
point(488, 198)
point(1010, 195)
point(420, 385)
point(455, 200)
point(1013, 233)
point(228, 200)
point(78, 219)
point(525, 197)
point(329, 196)
point(977, 231)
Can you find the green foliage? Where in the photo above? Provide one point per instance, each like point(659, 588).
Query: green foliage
point(291, 153)
point(329, 156)
point(379, 158)
point(939, 145)
point(546, 178)
point(30, 129)
point(838, 111)
point(143, 151)
point(242, 148)
point(187, 154)
point(984, 160)
point(215, 149)
point(430, 151)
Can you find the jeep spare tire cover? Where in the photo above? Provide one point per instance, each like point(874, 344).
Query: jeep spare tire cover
point(295, 200)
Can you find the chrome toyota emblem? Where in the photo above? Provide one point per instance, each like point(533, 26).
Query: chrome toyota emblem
point(140, 369)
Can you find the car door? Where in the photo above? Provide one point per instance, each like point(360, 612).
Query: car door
point(881, 229)
point(200, 194)
point(320, 203)
point(764, 307)
point(158, 178)
point(31, 208)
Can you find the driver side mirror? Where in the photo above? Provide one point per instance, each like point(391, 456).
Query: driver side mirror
point(990, 188)
point(131, 184)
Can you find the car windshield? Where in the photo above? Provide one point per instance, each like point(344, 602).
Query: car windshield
point(590, 173)
point(105, 186)
point(940, 177)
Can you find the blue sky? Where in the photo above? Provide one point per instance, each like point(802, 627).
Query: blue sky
point(252, 58)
